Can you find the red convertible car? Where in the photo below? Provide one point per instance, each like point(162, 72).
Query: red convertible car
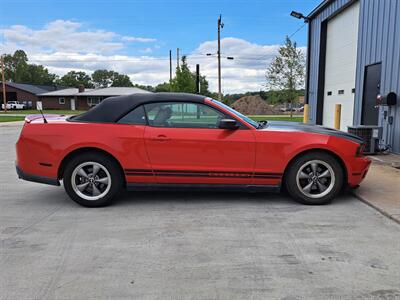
point(173, 140)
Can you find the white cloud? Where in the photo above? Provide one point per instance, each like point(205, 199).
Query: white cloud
point(137, 39)
point(141, 69)
point(66, 36)
point(147, 50)
point(245, 72)
point(64, 45)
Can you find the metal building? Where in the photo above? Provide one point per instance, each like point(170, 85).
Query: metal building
point(353, 57)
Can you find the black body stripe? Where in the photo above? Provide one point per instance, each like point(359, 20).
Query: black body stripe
point(139, 174)
point(138, 170)
point(189, 173)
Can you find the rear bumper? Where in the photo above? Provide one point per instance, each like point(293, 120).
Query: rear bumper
point(36, 178)
point(359, 169)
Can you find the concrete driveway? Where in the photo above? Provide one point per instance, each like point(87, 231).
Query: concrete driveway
point(189, 246)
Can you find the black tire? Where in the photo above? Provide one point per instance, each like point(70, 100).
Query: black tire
point(109, 165)
point(298, 185)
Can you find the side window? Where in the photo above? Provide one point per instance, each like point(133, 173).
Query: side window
point(136, 116)
point(182, 115)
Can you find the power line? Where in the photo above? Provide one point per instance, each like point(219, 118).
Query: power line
point(143, 60)
point(153, 58)
point(290, 36)
point(300, 28)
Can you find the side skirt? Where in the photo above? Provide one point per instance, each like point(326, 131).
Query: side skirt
point(201, 187)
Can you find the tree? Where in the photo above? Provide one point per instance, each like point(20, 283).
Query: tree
point(203, 85)
point(286, 71)
point(37, 74)
point(74, 79)
point(121, 80)
point(17, 69)
point(106, 78)
point(162, 87)
point(102, 78)
point(185, 81)
point(15, 66)
point(145, 87)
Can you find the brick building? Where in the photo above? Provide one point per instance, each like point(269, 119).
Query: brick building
point(25, 93)
point(83, 99)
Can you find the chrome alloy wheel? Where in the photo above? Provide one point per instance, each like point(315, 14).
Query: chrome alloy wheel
point(91, 181)
point(315, 179)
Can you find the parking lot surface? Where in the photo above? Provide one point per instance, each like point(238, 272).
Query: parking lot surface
point(184, 245)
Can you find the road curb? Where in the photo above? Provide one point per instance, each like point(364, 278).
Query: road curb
point(12, 123)
point(380, 210)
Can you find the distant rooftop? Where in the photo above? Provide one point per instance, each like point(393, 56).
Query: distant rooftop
point(64, 92)
point(53, 90)
point(113, 91)
point(34, 88)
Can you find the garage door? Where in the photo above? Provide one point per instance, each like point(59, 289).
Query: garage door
point(340, 66)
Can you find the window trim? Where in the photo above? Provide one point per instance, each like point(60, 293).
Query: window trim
point(61, 102)
point(241, 126)
point(146, 122)
point(228, 115)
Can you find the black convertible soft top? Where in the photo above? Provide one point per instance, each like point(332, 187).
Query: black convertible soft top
point(112, 109)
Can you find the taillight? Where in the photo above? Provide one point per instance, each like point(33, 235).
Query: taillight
point(360, 150)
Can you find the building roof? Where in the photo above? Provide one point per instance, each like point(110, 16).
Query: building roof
point(113, 91)
point(112, 109)
point(320, 7)
point(63, 92)
point(33, 88)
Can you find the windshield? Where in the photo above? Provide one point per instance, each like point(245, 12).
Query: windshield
point(238, 114)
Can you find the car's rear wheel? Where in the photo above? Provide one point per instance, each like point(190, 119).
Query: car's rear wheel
point(314, 178)
point(92, 179)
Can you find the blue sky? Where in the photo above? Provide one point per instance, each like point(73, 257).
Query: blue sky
point(130, 35)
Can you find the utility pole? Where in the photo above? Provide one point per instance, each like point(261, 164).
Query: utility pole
point(197, 79)
point(198, 113)
point(170, 70)
point(4, 84)
point(220, 25)
point(177, 57)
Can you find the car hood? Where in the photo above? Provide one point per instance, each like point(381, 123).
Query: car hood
point(294, 126)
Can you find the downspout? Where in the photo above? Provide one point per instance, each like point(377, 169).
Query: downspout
point(306, 98)
point(307, 101)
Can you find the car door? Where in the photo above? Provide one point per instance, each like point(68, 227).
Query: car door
point(185, 145)
point(131, 145)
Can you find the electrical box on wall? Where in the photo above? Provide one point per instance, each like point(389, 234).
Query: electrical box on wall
point(387, 100)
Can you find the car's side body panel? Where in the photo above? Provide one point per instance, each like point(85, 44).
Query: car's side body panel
point(163, 155)
point(276, 149)
point(42, 147)
point(187, 155)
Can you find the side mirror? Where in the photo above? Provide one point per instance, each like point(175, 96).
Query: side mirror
point(228, 124)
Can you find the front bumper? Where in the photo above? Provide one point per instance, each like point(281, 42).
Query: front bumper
point(36, 178)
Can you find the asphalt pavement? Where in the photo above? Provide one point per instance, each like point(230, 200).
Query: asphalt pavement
point(202, 245)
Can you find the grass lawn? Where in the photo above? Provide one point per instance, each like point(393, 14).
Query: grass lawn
point(46, 111)
point(11, 118)
point(277, 118)
point(23, 113)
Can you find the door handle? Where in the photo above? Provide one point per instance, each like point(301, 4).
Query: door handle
point(161, 138)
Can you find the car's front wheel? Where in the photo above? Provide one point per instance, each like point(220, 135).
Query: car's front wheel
point(314, 178)
point(92, 179)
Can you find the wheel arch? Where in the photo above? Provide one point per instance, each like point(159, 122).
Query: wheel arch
point(320, 150)
point(79, 151)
